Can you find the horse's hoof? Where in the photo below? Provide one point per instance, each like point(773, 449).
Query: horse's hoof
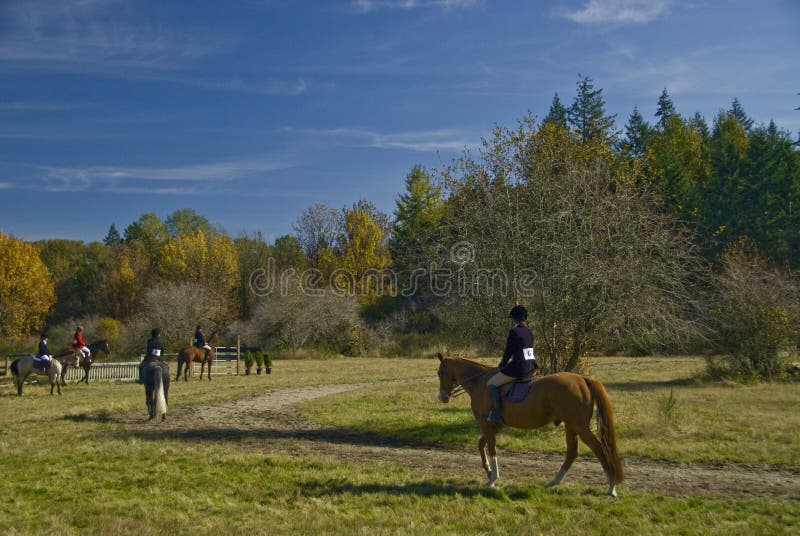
point(552, 484)
point(163, 418)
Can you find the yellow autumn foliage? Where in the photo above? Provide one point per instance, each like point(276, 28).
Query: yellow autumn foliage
point(26, 289)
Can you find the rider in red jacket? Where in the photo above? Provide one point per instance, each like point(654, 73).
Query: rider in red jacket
point(78, 344)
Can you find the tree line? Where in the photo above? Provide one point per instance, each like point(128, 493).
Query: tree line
point(647, 238)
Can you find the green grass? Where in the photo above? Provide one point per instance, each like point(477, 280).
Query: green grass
point(707, 422)
point(70, 466)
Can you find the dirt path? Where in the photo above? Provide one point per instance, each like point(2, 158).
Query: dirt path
point(274, 420)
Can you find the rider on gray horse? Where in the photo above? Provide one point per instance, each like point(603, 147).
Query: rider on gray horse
point(43, 357)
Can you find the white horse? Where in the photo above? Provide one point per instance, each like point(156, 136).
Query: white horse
point(23, 367)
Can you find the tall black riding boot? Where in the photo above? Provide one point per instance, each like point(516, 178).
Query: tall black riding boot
point(495, 415)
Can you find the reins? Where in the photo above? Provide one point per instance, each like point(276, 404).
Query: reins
point(459, 390)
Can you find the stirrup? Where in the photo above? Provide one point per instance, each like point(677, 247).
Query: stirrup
point(495, 416)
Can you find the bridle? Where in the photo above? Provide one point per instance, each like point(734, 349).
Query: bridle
point(459, 390)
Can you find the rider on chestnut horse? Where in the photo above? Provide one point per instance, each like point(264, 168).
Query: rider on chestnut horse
point(518, 360)
point(200, 340)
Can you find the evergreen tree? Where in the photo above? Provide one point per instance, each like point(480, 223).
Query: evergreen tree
point(637, 132)
point(113, 238)
point(772, 171)
point(416, 216)
point(738, 113)
point(587, 115)
point(665, 110)
point(699, 123)
point(558, 113)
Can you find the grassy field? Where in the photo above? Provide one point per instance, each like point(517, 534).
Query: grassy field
point(73, 465)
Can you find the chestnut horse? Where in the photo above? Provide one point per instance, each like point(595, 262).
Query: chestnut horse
point(69, 357)
point(565, 397)
point(23, 367)
point(192, 353)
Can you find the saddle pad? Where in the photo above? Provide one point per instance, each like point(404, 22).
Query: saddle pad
point(519, 390)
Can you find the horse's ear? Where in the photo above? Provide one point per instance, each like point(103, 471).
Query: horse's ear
point(440, 356)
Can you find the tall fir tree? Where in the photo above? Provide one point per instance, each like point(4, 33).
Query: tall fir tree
point(738, 113)
point(665, 109)
point(700, 125)
point(587, 115)
point(558, 113)
point(637, 132)
point(113, 238)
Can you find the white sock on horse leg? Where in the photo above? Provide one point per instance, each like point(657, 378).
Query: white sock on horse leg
point(495, 470)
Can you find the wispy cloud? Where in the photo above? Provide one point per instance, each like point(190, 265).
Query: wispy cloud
point(598, 12)
point(5, 185)
point(417, 141)
point(36, 106)
point(121, 179)
point(377, 5)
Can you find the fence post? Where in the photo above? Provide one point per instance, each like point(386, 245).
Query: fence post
point(238, 352)
point(5, 370)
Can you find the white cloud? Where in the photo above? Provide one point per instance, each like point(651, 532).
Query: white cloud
point(417, 141)
point(124, 179)
point(5, 185)
point(376, 5)
point(616, 11)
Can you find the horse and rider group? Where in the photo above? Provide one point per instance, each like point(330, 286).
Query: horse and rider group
point(511, 394)
point(54, 364)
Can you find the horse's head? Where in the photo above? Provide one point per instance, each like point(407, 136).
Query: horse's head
point(448, 380)
point(105, 347)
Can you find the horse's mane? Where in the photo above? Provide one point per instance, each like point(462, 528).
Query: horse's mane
point(470, 362)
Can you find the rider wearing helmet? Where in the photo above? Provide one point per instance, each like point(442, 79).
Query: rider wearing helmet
point(200, 340)
point(518, 360)
point(155, 357)
point(43, 355)
point(78, 344)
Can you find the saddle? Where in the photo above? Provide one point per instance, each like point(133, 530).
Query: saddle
point(42, 365)
point(518, 390)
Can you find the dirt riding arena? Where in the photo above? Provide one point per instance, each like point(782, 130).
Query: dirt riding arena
point(274, 420)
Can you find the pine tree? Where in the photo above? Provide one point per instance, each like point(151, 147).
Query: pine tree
point(700, 125)
point(637, 132)
point(665, 110)
point(558, 113)
point(587, 113)
point(113, 238)
point(738, 113)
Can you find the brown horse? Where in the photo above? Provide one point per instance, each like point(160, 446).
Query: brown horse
point(190, 354)
point(69, 357)
point(565, 397)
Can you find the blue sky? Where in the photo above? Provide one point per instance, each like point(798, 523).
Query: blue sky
point(249, 111)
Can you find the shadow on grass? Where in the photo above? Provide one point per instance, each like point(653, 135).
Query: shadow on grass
point(424, 488)
point(649, 385)
point(100, 416)
point(340, 436)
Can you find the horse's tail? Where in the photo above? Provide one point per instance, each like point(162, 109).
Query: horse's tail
point(605, 424)
point(158, 392)
point(15, 367)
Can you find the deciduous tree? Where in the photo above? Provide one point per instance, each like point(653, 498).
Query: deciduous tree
point(26, 289)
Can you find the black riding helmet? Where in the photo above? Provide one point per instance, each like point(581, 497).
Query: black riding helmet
point(155, 332)
point(518, 313)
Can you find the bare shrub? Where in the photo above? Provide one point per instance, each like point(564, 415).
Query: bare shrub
point(294, 319)
point(178, 307)
point(754, 316)
point(557, 225)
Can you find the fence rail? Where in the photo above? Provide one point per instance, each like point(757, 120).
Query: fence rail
point(225, 364)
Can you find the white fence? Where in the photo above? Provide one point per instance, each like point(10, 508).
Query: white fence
point(105, 372)
point(225, 364)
